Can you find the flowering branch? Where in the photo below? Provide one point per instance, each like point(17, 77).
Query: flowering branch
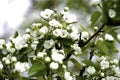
point(84, 43)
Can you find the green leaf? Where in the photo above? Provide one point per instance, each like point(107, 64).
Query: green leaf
point(89, 63)
point(111, 46)
point(76, 63)
point(95, 16)
point(16, 34)
point(102, 46)
point(37, 69)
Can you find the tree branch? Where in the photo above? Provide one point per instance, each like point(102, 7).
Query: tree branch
point(84, 43)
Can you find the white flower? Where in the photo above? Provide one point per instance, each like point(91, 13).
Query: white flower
point(27, 30)
point(109, 37)
point(76, 48)
point(91, 70)
point(84, 35)
point(19, 42)
point(66, 8)
point(118, 36)
point(10, 48)
point(67, 76)
point(47, 59)
point(41, 54)
point(2, 42)
point(115, 61)
point(69, 18)
point(57, 32)
point(46, 13)
point(34, 44)
point(34, 25)
point(54, 65)
point(13, 59)
point(44, 30)
point(111, 13)
point(57, 56)
point(21, 67)
point(48, 44)
point(64, 33)
point(102, 74)
point(64, 66)
point(104, 64)
point(55, 23)
point(1, 66)
point(74, 35)
point(7, 61)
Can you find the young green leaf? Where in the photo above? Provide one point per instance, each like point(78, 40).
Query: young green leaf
point(76, 63)
point(95, 16)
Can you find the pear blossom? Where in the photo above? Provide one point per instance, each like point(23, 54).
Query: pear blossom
point(2, 42)
point(76, 48)
point(21, 67)
point(84, 35)
point(1, 66)
point(64, 34)
point(69, 18)
point(109, 37)
point(44, 30)
point(57, 32)
point(47, 59)
point(13, 59)
point(74, 36)
point(91, 70)
point(41, 54)
point(46, 13)
point(104, 64)
point(67, 76)
point(55, 23)
point(57, 56)
point(111, 13)
point(54, 65)
point(48, 44)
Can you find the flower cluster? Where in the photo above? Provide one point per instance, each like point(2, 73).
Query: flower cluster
point(47, 47)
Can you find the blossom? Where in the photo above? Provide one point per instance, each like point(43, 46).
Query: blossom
point(76, 48)
point(84, 35)
point(55, 23)
point(67, 76)
point(21, 67)
point(54, 65)
point(48, 44)
point(46, 13)
point(109, 37)
point(111, 13)
point(47, 59)
point(69, 18)
point(63, 34)
point(2, 42)
point(44, 30)
point(13, 59)
point(1, 66)
point(10, 48)
point(19, 42)
point(74, 35)
point(41, 54)
point(57, 56)
point(57, 32)
point(104, 64)
point(34, 44)
point(91, 70)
